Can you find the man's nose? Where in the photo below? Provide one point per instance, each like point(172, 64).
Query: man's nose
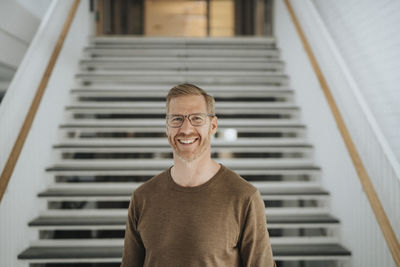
point(186, 126)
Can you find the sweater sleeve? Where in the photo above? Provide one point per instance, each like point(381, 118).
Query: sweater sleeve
point(134, 251)
point(255, 247)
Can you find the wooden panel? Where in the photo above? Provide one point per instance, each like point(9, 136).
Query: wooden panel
point(175, 18)
point(222, 18)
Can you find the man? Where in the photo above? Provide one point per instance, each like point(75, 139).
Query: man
point(198, 213)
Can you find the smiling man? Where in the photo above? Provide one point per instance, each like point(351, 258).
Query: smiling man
point(198, 213)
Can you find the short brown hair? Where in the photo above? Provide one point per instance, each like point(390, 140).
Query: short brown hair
point(191, 89)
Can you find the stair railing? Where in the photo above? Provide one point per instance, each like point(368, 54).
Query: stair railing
point(365, 180)
point(26, 126)
point(30, 113)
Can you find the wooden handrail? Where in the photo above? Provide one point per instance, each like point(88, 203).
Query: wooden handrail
point(23, 133)
point(365, 180)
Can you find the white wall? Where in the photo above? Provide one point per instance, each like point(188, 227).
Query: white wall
point(17, 28)
point(20, 203)
point(359, 229)
point(38, 7)
point(367, 34)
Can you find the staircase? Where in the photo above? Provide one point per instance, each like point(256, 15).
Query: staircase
point(113, 140)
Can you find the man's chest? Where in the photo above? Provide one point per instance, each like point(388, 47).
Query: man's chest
point(205, 225)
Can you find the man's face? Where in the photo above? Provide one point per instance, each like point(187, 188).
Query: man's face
point(189, 142)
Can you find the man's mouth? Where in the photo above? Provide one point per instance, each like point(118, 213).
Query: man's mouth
point(187, 141)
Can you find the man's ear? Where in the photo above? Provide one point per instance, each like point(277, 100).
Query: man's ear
point(214, 125)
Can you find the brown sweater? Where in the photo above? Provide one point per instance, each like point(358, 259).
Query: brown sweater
point(219, 223)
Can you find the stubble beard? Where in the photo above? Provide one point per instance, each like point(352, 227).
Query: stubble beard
point(203, 145)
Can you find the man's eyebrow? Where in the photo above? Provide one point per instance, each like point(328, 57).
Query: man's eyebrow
point(195, 113)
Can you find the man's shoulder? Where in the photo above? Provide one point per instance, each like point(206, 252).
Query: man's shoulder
point(153, 184)
point(237, 184)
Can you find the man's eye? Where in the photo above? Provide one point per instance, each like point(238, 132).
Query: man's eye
point(176, 119)
point(197, 118)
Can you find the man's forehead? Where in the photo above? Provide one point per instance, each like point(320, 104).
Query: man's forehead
point(188, 102)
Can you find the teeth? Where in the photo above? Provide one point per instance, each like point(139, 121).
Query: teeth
point(187, 141)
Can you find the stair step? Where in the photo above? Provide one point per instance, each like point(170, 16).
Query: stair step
point(111, 40)
point(162, 164)
point(186, 52)
point(199, 73)
point(268, 112)
point(182, 46)
point(141, 169)
point(221, 106)
point(185, 46)
point(231, 123)
point(112, 193)
point(270, 211)
point(211, 88)
point(150, 63)
point(103, 95)
point(163, 142)
point(77, 174)
point(118, 222)
point(86, 151)
point(164, 78)
point(261, 185)
point(274, 134)
point(225, 123)
point(73, 242)
point(109, 253)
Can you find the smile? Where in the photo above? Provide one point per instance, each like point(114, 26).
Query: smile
point(187, 141)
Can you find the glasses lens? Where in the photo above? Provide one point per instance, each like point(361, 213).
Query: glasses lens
point(175, 120)
point(197, 119)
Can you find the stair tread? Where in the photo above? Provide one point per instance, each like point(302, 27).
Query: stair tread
point(121, 220)
point(212, 88)
point(184, 47)
point(163, 142)
point(183, 51)
point(78, 168)
point(87, 191)
point(183, 40)
point(222, 106)
point(178, 74)
point(115, 252)
point(161, 122)
point(174, 62)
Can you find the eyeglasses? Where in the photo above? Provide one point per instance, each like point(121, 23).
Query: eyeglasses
point(195, 119)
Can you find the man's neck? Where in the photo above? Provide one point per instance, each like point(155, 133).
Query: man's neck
point(194, 173)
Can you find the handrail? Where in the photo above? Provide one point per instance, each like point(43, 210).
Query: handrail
point(26, 126)
point(365, 180)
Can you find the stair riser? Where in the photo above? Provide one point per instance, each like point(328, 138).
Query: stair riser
point(115, 40)
point(295, 173)
point(158, 98)
point(160, 114)
point(185, 53)
point(166, 153)
point(183, 46)
point(122, 133)
point(231, 89)
point(128, 134)
point(121, 227)
point(179, 66)
point(172, 81)
point(227, 123)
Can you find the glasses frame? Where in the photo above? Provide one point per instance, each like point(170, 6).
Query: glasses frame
point(187, 116)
